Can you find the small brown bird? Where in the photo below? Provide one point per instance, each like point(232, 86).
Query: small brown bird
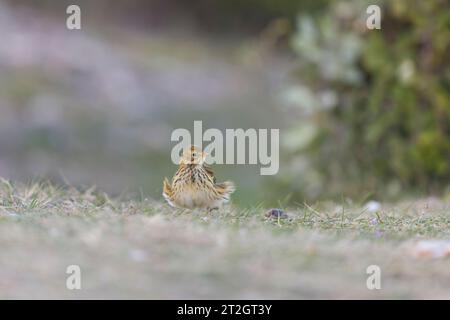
point(194, 185)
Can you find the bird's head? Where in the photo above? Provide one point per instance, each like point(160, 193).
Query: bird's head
point(193, 155)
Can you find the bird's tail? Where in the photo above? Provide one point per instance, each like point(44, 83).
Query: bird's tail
point(225, 189)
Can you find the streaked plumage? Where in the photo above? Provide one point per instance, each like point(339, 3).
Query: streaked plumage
point(194, 185)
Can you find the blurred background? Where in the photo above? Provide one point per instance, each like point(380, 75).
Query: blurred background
point(362, 113)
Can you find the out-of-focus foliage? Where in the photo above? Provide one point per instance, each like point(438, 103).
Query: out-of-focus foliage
point(374, 105)
point(229, 16)
point(97, 106)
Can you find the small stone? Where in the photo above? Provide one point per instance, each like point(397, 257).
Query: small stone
point(276, 213)
point(431, 249)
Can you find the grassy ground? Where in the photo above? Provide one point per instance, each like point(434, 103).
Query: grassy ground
point(143, 249)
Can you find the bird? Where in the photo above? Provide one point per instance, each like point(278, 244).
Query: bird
point(194, 184)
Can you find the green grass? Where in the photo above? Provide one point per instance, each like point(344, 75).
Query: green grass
point(144, 249)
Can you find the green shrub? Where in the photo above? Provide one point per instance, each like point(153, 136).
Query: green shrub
point(373, 105)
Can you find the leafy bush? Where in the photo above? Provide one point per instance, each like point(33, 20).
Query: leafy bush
point(373, 105)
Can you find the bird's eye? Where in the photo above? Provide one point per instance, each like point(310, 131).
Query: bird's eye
point(194, 154)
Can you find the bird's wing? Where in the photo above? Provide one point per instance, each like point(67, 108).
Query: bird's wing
point(210, 173)
point(167, 190)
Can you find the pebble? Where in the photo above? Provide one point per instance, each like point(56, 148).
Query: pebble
point(276, 213)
